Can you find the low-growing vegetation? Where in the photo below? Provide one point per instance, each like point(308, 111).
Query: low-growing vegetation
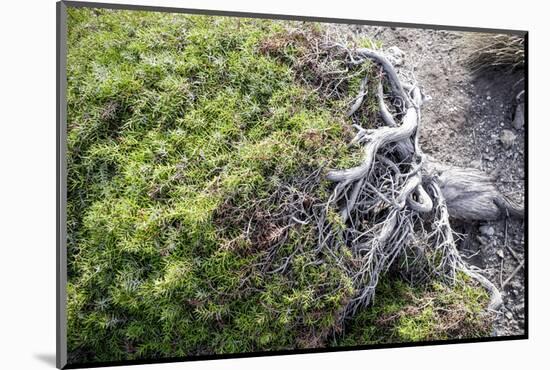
point(401, 313)
point(191, 141)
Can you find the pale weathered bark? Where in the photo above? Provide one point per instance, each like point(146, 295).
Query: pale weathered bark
point(398, 202)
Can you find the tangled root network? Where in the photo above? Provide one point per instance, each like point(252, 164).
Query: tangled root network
point(395, 206)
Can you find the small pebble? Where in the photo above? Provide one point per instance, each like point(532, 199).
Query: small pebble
point(507, 138)
point(487, 231)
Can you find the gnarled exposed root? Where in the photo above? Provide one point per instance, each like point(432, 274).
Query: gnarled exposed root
point(398, 199)
point(471, 194)
point(395, 206)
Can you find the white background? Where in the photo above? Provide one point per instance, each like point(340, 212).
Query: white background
point(27, 182)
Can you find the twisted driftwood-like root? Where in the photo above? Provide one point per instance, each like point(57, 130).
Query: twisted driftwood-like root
point(394, 208)
point(397, 203)
point(471, 194)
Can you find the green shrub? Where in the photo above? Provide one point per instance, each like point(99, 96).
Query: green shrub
point(401, 313)
point(181, 129)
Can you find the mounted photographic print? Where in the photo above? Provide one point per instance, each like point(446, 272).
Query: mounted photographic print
point(235, 184)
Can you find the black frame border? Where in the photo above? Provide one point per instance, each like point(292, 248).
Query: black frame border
point(61, 183)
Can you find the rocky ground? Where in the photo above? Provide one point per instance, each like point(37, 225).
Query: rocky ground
point(470, 122)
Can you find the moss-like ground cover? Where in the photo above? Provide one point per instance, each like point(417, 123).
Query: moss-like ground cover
point(180, 131)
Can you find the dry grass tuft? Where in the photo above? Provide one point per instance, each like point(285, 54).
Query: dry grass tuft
point(499, 51)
